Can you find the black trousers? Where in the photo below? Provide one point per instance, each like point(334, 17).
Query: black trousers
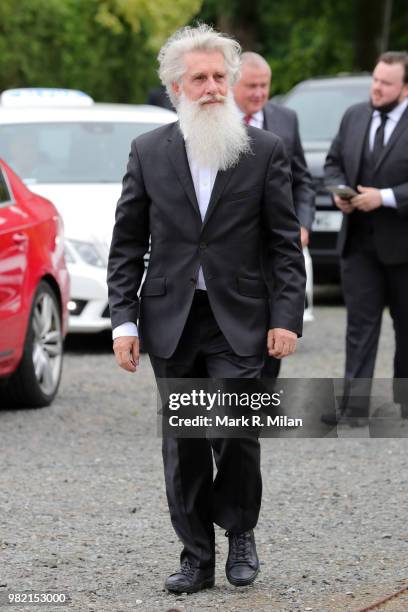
point(196, 500)
point(271, 367)
point(368, 286)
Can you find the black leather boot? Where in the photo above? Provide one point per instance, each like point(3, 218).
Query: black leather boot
point(190, 579)
point(242, 565)
point(344, 418)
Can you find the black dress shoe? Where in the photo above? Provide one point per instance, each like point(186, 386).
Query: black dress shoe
point(190, 579)
point(242, 565)
point(404, 411)
point(344, 418)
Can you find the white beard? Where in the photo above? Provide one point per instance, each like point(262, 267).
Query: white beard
point(215, 134)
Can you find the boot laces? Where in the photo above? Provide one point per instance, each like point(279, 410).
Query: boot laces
point(240, 546)
point(187, 569)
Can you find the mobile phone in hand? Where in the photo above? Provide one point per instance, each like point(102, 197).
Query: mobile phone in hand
point(343, 191)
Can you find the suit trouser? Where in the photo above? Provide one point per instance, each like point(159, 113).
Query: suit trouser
point(196, 501)
point(271, 367)
point(368, 285)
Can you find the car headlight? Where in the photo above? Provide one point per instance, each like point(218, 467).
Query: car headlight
point(87, 252)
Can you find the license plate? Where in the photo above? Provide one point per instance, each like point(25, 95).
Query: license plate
point(327, 221)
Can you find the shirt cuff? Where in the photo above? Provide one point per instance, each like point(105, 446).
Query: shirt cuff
point(388, 198)
point(125, 329)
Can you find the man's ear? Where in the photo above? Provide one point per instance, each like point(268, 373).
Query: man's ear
point(176, 88)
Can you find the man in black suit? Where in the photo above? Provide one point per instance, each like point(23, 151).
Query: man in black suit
point(210, 193)
point(251, 93)
point(370, 154)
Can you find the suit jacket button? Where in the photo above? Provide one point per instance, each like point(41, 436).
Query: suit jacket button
point(193, 281)
point(203, 245)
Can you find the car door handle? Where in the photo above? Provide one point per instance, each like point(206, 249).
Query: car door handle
point(20, 238)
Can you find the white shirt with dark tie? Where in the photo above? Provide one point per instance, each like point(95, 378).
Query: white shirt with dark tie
point(387, 195)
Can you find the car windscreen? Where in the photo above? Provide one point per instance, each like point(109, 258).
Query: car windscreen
point(320, 109)
point(88, 152)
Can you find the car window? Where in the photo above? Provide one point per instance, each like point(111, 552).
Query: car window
point(320, 109)
point(5, 195)
point(86, 152)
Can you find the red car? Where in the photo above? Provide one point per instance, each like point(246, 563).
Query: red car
point(34, 289)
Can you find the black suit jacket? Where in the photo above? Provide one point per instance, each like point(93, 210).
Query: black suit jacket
point(250, 209)
point(342, 166)
point(284, 122)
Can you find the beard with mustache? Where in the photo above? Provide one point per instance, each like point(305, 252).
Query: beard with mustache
point(214, 133)
point(389, 106)
point(386, 108)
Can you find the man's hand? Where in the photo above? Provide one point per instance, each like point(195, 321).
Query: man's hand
point(304, 236)
point(126, 349)
point(281, 342)
point(368, 199)
point(344, 205)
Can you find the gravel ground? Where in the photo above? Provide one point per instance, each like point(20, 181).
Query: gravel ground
point(83, 509)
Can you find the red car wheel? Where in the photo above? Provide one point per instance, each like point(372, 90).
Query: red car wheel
point(36, 380)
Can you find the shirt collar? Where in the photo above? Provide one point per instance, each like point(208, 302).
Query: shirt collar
point(258, 116)
point(396, 113)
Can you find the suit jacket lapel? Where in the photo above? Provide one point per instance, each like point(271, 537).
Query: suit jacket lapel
point(176, 151)
point(356, 151)
point(401, 126)
point(221, 181)
point(268, 118)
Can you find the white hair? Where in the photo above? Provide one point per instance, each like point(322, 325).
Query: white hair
point(200, 38)
point(251, 58)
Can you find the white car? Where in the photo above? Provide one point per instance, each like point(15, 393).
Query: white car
point(74, 152)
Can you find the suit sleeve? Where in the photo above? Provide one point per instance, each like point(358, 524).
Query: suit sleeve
point(334, 172)
point(130, 242)
point(401, 197)
point(284, 264)
point(302, 186)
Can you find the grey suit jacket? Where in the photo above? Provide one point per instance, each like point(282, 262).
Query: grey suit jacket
point(342, 166)
point(283, 122)
point(250, 210)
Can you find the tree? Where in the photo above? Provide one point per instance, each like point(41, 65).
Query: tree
point(372, 31)
point(105, 47)
point(302, 39)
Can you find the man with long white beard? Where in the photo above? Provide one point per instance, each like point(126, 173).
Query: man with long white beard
point(212, 195)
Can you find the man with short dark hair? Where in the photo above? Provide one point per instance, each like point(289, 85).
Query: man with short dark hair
point(370, 154)
point(251, 93)
point(211, 194)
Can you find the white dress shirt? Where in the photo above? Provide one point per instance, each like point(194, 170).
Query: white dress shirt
point(387, 195)
point(203, 180)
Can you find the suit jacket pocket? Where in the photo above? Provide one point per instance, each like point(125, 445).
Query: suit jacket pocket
point(252, 287)
point(154, 286)
point(242, 195)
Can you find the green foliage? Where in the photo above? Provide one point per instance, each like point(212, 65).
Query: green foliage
point(399, 26)
point(303, 38)
point(310, 40)
point(107, 48)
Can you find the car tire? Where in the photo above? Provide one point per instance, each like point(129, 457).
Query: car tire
point(36, 380)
